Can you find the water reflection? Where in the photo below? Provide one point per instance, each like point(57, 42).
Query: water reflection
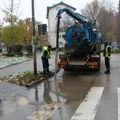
point(1, 109)
point(36, 94)
point(46, 95)
point(37, 103)
point(74, 88)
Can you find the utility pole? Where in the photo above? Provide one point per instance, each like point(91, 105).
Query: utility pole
point(33, 40)
point(41, 42)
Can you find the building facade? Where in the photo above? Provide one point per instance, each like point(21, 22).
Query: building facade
point(52, 22)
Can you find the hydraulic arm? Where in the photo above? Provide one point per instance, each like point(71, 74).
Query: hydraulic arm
point(74, 15)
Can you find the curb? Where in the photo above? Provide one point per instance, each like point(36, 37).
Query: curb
point(41, 80)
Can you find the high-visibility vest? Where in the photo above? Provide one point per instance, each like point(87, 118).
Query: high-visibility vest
point(42, 53)
point(106, 52)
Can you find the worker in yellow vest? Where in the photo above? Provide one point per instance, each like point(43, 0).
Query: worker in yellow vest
point(107, 54)
point(45, 55)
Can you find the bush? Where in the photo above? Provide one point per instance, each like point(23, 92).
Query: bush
point(29, 49)
point(116, 51)
point(10, 54)
point(18, 49)
point(14, 50)
point(0, 50)
point(10, 48)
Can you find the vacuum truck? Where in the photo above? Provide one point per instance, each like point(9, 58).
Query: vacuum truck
point(82, 43)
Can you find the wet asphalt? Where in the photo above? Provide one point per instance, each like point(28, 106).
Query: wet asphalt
point(58, 99)
point(13, 97)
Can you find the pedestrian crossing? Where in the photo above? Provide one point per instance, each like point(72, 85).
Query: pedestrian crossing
point(86, 110)
point(118, 90)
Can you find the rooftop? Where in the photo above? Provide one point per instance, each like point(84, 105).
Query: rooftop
point(50, 7)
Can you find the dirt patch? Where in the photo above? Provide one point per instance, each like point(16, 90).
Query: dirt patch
point(27, 79)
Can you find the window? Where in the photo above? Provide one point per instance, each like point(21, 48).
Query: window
point(63, 36)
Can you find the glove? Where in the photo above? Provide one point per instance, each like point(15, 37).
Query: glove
point(49, 57)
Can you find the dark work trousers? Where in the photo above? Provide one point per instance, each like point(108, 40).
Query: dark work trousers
point(45, 63)
point(107, 63)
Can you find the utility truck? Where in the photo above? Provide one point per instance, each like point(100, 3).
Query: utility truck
point(82, 47)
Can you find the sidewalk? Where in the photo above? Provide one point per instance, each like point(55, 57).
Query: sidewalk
point(21, 103)
point(8, 90)
point(26, 66)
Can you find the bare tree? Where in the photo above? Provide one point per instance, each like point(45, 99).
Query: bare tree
point(11, 15)
point(104, 13)
point(118, 24)
point(106, 20)
point(11, 11)
point(91, 10)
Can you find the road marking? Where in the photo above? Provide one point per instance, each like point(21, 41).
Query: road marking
point(88, 108)
point(44, 114)
point(118, 103)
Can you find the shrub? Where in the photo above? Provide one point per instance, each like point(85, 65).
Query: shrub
point(18, 49)
point(10, 48)
point(14, 50)
point(116, 51)
point(29, 49)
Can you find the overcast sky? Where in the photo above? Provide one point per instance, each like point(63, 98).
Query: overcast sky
point(41, 7)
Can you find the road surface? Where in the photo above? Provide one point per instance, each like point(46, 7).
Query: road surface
point(74, 95)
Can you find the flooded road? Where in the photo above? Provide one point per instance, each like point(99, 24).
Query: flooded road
point(73, 87)
point(74, 95)
point(57, 99)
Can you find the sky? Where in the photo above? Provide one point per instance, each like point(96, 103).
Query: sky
point(41, 7)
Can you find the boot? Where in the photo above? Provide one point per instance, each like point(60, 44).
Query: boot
point(48, 72)
point(44, 72)
point(107, 72)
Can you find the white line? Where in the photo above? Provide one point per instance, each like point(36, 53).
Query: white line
point(88, 108)
point(118, 103)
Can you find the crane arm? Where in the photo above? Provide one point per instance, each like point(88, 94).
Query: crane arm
point(76, 16)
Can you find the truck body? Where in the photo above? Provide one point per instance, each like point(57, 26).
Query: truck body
point(83, 45)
